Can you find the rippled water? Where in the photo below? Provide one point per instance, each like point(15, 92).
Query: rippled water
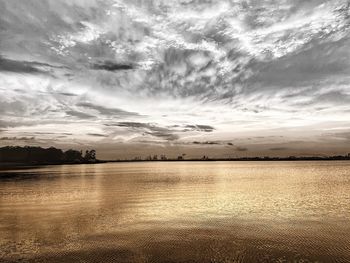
point(177, 212)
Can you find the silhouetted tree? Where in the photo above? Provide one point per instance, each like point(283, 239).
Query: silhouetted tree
point(37, 155)
point(90, 156)
point(73, 156)
point(30, 154)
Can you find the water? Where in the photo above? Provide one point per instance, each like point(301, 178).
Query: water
point(177, 212)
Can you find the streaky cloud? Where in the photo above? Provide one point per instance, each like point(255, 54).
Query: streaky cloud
point(111, 66)
point(107, 111)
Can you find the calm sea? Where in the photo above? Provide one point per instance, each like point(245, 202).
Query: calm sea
point(177, 212)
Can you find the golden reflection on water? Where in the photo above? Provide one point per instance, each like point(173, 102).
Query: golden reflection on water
point(223, 208)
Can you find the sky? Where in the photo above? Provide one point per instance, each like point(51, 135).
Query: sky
point(223, 78)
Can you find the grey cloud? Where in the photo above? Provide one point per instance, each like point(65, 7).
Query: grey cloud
point(97, 135)
point(206, 143)
point(79, 114)
point(337, 97)
point(206, 63)
point(237, 148)
point(308, 67)
point(29, 67)
point(111, 66)
point(241, 149)
point(68, 94)
point(150, 129)
point(18, 66)
point(14, 107)
point(53, 133)
point(163, 133)
point(332, 97)
point(203, 128)
point(132, 125)
point(338, 135)
point(10, 124)
point(107, 111)
point(168, 133)
point(279, 149)
point(17, 138)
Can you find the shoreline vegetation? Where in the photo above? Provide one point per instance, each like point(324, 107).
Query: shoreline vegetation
point(28, 155)
point(22, 156)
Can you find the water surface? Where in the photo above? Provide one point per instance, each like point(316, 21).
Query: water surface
point(177, 212)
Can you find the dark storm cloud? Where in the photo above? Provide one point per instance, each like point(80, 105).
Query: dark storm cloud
point(107, 111)
point(79, 114)
point(111, 66)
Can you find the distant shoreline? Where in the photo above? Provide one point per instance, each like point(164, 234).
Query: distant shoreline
point(17, 156)
point(255, 159)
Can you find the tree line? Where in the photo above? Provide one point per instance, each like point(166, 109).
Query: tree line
point(29, 154)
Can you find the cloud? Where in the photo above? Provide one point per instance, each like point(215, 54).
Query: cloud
point(223, 143)
point(279, 149)
point(164, 134)
point(131, 125)
point(204, 128)
point(241, 149)
point(170, 133)
point(150, 129)
point(79, 114)
point(111, 66)
point(206, 143)
point(19, 66)
point(26, 67)
point(338, 135)
point(17, 138)
point(107, 111)
point(68, 94)
point(97, 135)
